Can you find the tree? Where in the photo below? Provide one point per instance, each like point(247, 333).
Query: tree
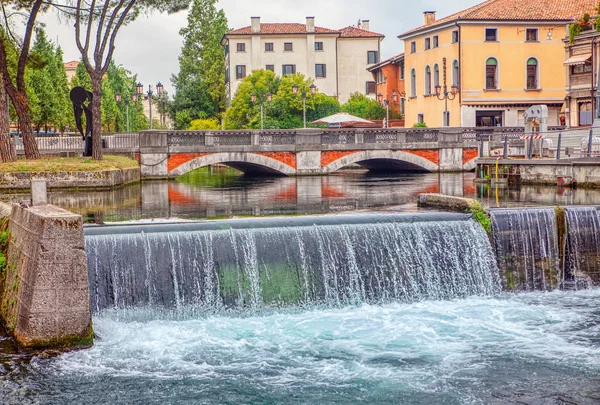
point(7, 147)
point(242, 111)
point(200, 84)
point(107, 17)
point(361, 106)
point(14, 84)
point(200, 124)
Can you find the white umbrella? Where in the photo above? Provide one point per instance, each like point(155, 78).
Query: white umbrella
point(342, 118)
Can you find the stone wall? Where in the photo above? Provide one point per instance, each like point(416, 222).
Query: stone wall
point(104, 179)
point(45, 295)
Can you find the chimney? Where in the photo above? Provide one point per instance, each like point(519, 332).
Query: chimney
point(255, 29)
point(310, 24)
point(365, 25)
point(429, 17)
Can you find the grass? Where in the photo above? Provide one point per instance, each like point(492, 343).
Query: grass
point(480, 215)
point(70, 164)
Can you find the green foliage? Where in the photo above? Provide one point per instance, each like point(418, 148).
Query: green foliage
point(208, 123)
point(285, 111)
point(361, 106)
point(200, 84)
point(480, 216)
point(420, 125)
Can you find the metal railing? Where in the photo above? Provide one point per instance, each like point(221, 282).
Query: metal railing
point(123, 142)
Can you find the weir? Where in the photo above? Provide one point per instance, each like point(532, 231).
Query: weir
point(331, 261)
point(582, 250)
point(526, 244)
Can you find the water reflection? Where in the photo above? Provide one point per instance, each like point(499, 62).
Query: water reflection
point(221, 192)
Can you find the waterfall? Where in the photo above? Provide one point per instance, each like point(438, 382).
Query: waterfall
point(582, 253)
point(338, 261)
point(526, 245)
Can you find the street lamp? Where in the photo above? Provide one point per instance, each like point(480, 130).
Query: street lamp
point(386, 102)
point(446, 95)
point(313, 91)
point(261, 101)
point(134, 98)
point(159, 89)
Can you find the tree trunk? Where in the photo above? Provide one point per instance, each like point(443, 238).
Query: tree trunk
point(7, 146)
point(29, 143)
point(97, 152)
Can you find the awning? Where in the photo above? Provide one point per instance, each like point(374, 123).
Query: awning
point(578, 59)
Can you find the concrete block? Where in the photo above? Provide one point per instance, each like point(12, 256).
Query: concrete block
point(39, 194)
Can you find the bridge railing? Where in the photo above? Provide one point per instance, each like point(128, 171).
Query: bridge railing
point(122, 142)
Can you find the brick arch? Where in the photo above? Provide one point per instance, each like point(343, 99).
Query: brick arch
point(240, 158)
point(469, 158)
point(400, 156)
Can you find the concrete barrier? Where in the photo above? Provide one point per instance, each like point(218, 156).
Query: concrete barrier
point(44, 292)
point(446, 202)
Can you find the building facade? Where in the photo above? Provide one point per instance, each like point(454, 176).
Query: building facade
point(503, 55)
point(389, 78)
point(582, 64)
point(336, 59)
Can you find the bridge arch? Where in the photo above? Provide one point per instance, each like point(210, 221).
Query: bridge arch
point(244, 161)
point(369, 159)
point(470, 165)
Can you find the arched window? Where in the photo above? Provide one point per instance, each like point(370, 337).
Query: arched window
point(436, 75)
point(532, 74)
point(413, 83)
point(455, 73)
point(427, 81)
point(491, 74)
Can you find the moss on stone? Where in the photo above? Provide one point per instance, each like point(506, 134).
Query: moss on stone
point(481, 216)
point(69, 342)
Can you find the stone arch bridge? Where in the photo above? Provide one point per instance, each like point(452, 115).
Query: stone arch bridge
point(306, 152)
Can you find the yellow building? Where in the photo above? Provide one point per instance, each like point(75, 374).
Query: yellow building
point(503, 56)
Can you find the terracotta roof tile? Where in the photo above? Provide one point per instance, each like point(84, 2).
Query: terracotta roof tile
point(72, 64)
point(280, 28)
point(519, 10)
point(354, 32)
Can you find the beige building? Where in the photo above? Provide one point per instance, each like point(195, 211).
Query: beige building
point(70, 68)
point(337, 60)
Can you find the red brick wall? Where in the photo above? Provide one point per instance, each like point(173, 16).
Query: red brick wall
point(289, 158)
point(431, 155)
point(178, 159)
point(469, 154)
point(331, 156)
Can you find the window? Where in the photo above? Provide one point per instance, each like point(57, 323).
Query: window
point(491, 34)
point(241, 47)
point(268, 46)
point(427, 43)
point(455, 73)
point(271, 68)
point(413, 83)
point(227, 49)
point(531, 35)
point(532, 74)
point(413, 47)
point(455, 36)
point(427, 81)
point(320, 70)
point(226, 75)
point(288, 69)
point(584, 68)
point(491, 74)
point(436, 41)
point(240, 71)
point(402, 106)
point(402, 71)
point(372, 57)
point(420, 118)
point(288, 47)
point(436, 75)
point(318, 46)
point(371, 88)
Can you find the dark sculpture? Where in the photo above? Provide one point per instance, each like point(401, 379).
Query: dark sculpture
point(79, 96)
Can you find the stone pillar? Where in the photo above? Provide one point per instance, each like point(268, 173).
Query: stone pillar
point(154, 152)
point(44, 296)
point(308, 163)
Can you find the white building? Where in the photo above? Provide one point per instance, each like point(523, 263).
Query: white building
point(337, 60)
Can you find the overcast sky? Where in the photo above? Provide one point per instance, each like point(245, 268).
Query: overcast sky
point(151, 45)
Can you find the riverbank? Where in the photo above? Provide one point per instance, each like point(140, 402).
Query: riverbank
point(70, 173)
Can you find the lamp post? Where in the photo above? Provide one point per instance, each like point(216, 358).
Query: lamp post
point(386, 102)
point(133, 98)
point(446, 95)
point(313, 91)
point(261, 101)
point(159, 89)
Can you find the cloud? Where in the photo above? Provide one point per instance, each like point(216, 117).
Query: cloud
point(151, 45)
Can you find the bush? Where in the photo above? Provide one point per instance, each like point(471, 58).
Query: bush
point(208, 123)
point(420, 125)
